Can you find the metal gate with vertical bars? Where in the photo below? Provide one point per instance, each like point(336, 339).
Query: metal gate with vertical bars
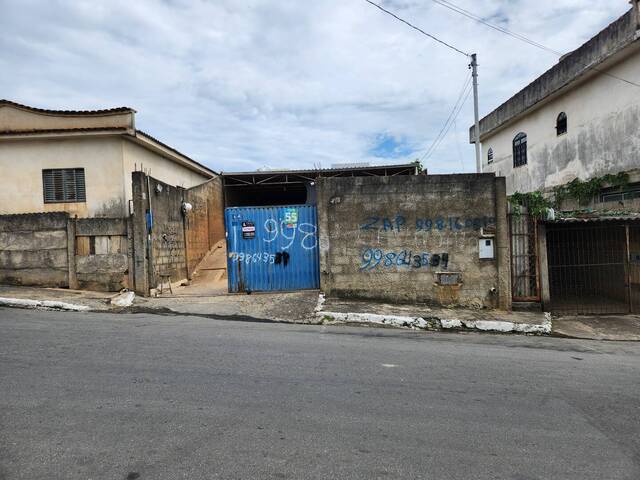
point(272, 248)
point(525, 281)
point(594, 268)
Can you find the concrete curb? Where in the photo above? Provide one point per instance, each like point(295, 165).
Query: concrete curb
point(436, 324)
point(45, 304)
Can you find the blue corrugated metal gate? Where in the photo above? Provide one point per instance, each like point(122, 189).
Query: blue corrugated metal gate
point(272, 248)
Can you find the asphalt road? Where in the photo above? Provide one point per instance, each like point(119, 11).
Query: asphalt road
point(103, 396)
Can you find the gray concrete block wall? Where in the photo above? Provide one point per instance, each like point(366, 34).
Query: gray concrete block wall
point(370, 225)
point(33, 249)
point(42, 249)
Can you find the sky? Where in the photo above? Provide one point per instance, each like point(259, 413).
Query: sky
point(241, 85)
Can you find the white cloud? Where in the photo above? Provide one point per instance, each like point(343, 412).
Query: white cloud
point(239, 85)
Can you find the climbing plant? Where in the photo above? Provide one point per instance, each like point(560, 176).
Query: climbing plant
point(581, 191)
point(535, 203)
point(585, 191)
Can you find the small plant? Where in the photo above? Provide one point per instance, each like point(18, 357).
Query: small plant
point(535, 203)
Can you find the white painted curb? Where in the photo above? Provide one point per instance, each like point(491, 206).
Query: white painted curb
point(51, 304)
point(446, 324)
point(395, 320)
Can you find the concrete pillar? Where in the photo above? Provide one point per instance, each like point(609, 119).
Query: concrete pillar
point(503, 250)
point(635, 4)
point(130, 254)
point(140, 242)
point(71, 253)
point(543, 264)
point(322, 204)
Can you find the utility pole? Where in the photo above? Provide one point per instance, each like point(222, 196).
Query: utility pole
point(474, 74)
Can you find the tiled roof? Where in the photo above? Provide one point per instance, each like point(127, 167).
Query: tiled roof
point(62, 130)
point(67, 112)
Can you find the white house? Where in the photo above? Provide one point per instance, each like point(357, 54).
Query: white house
point(81, 161)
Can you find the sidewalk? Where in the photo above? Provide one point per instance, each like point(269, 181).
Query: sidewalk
point(311, 307)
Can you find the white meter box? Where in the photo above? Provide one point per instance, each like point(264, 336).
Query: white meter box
point(486, 248)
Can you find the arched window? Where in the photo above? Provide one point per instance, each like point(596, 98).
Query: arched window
point(561, 124)
point(490, 155)
point(520, 150)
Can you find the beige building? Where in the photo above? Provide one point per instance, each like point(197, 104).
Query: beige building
point(575, 127)
point(81, 161)
point(580, 119)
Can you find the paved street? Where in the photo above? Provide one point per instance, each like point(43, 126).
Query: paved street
point(104, 396)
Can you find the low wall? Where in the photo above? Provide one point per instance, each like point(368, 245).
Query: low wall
point(33, 249)
point(101, 260)
point(54, 250)
point(415, 239)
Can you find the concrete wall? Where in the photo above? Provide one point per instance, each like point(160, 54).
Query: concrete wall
point(33, 250)
point(102, 253)
point(54, 250)
point(205, 223)
point(178, 241)
point(388, 238)
point(603, 130)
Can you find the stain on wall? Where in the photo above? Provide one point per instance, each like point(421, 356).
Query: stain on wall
point(392, 238)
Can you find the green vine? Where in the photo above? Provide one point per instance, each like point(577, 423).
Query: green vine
point(583, 192)
point(535, 203)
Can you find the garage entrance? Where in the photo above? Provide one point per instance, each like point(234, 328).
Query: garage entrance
point(594, 268)
point(272, 248)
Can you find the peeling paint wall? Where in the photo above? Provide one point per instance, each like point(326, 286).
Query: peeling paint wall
point(603, 134)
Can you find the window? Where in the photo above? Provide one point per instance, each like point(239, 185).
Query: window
point(490, 155)
point(616, 195)
point(561, 124)
point(520, 150)
point(61, 185)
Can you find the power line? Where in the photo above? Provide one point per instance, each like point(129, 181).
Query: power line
point(435, 148)
point(522, 38)
point(418, 28)
point(477, 18)
point(455, 111)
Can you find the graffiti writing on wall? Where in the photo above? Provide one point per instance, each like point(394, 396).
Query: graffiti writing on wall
point(373, 258)
point(258, 257)
point(288, 233)
point(399, 223)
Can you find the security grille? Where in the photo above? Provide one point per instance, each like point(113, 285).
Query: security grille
point(525, 282)
point(588, 268)
point(61, 185)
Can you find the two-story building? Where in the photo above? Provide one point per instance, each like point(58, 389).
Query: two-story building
point(573, 135)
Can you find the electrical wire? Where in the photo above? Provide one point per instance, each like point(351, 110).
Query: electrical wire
point(522, 38)
point(479, 19)
point(455, 111)
point(433, 37)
